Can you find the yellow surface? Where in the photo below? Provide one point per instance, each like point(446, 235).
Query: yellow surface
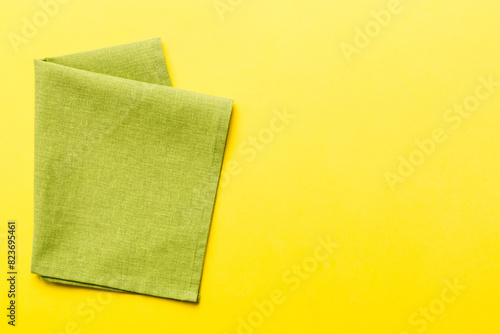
point(358, 104)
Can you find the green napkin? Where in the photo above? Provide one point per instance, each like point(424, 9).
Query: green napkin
point(126, 172)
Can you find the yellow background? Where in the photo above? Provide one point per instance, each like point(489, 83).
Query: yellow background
point(323, 175)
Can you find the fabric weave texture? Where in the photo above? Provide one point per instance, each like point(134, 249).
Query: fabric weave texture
point(126, 172)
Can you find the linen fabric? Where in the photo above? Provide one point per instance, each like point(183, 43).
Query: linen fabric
point(126, 172)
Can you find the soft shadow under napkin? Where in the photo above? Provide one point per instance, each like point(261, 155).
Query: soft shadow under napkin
point(126, 172)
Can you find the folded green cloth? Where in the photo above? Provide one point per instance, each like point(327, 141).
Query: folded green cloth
point(126, 172)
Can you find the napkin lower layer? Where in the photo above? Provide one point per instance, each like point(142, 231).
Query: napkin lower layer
point(126, 172)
